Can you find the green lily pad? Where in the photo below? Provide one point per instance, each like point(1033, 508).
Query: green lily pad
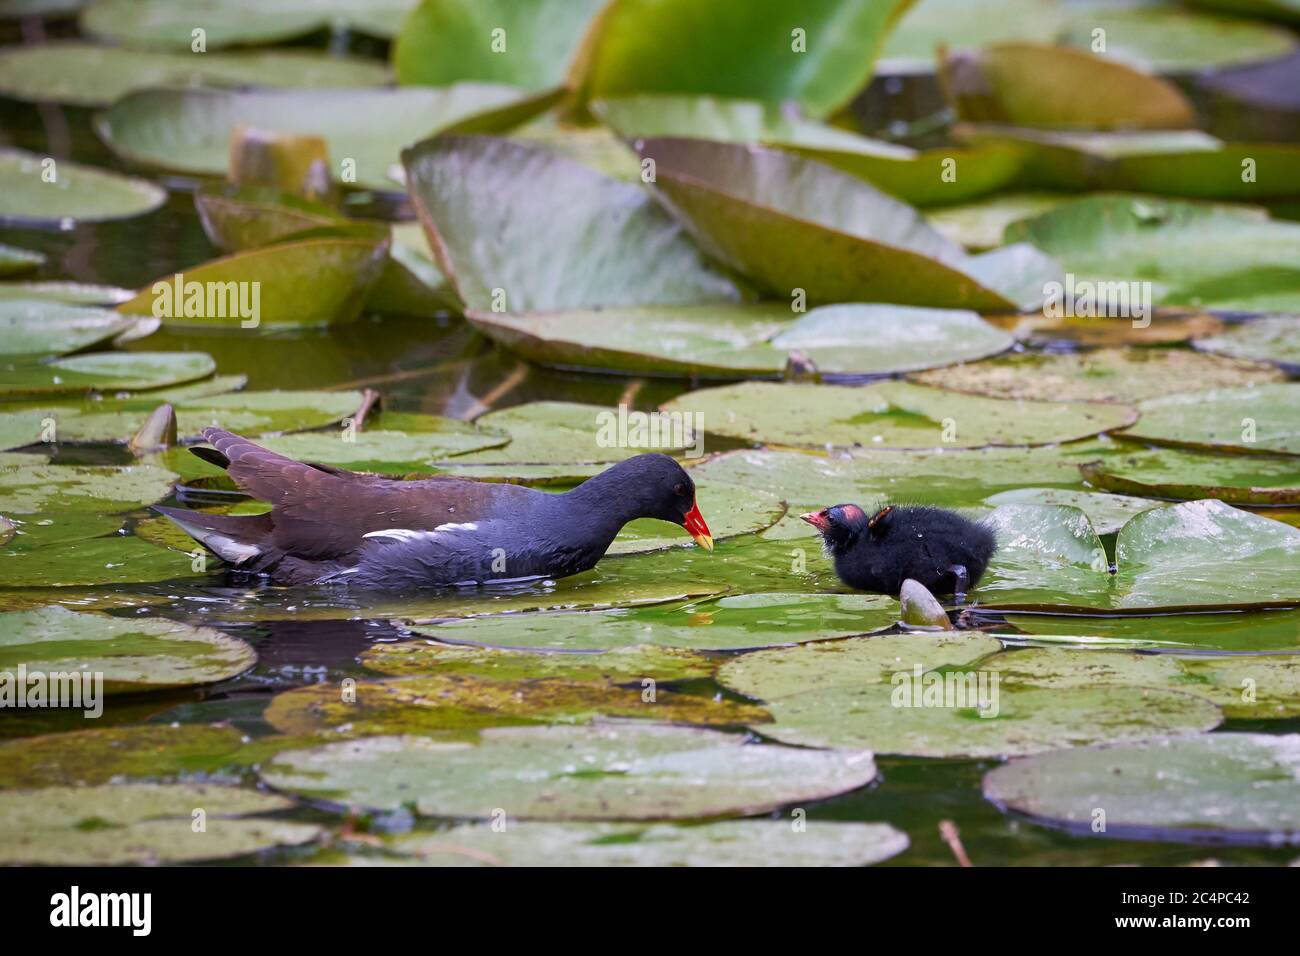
point(725, 843)
point(40, 488)
point(1105, 375)
point(169, 23)
point(890, 415)
point(188, 131)
point(597, 231)
point(1191, 254)
point(1272, 338)
point(730, 510)
point(561, 433)
point(1167, 558)
point(926, 177)
point(1057, 87)
point(38, 329)
point(459, 704)
point(1107, 513)
point(91, 757)
point(41, 189)
point(70, 293)
point(238, 218)
point(132, 654)
point(959, 478)
point(1239, 631)
point(86, 74)
point(789, 222)
point(105, 371)
point(1284, 10)
point(871, 692)
point(1174, 473)
point(1065, 333)
point(116, 420)
point(628, 772)
point(97, 557)
point(297, 284)
point(1171, 39)
point(979, 225)
point(15, 261)
point(734, 622)
point(819, 56)
point(1260, 418)
point(929, 25)
point(140, 823)
point(619, 665)
point(528, 45)
point(831, 665)
point(1220, 788)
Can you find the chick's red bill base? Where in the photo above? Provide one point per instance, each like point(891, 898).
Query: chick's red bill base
point(818, 519)
point(694, 523)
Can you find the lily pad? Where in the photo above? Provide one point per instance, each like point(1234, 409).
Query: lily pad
point(931, 25)
point(734, 622)
point(598, 231)
point(619, 665)
point(238, 218)
point(1174, 473)
point(297, 284)
point(732, 510)
point(629, 772)
point(979, 225)
point(105, 371)
point(1107, 513)
point(71, 293)
point(1257, 631)
point(1105, 375)
point(169, 23)
point(188, 131)
point(1283, 10)
point(15, 261)
point(528, 45)
point(116, 420)
point(86, 74)
point(818, 56)
point(1220, 788)
point(91, 757)
point(140, 823)
point(42, 189)
point(890, 415)
point(864, 693)
point(1271, 338)
point(457, 705)
point(725, 843)
point(90, 559)
point(37, 329)
point(1065, 333)
point(132, 654)
point(789, 222)
point(41, 488)
point(1260, 418)
point(1191, 254)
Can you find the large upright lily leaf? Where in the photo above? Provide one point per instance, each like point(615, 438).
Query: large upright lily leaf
point(527, 44)
point(1220, 788)
point(189, 130)
point(38, 188)
point(294, 284)
point(132, 654)
point(791, 223)
point(1190, 253)
point(608, 243)
point(617, 772)
point(941, 175)
point(819, 54)
point(87, 74)
point(891, 415)
point(1257, 418)
point(1053, 87)
point(170, 23)
point(1176, 473)
point(116, 824)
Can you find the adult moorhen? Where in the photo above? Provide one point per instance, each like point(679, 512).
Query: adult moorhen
point(941, 549)
point(327, 525)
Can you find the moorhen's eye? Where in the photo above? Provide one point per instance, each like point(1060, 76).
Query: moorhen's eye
point(679, 490)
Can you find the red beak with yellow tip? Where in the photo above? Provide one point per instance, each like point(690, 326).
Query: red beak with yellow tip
point(694, 524)
point(818, 519)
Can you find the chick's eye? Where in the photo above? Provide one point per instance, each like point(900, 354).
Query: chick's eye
point(679, 489)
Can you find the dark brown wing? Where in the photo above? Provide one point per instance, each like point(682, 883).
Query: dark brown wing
point(322, 514)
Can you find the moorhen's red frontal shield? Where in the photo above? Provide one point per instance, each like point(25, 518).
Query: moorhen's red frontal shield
point(694, 523)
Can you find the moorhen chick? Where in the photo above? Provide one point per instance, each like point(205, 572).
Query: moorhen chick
point(327, 525)
point(940, 549)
